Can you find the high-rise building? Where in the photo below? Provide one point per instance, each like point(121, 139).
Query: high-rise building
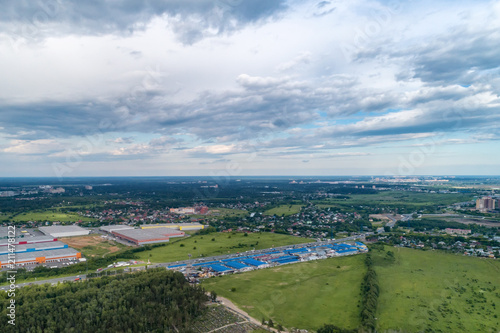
point(485, 203)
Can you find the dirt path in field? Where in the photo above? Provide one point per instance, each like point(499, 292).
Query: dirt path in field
point(218, 329)
point(492, 264)
point(230, 305)
point(82, 241)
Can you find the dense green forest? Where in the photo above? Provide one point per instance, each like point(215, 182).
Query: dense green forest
point(153, 301)
point(430, 224)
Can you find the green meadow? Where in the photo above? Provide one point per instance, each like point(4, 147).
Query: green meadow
point(433, 291)
point(285, 210)
point(217, 244)
point(303, 295)
point(49, 215)
point(420, 291)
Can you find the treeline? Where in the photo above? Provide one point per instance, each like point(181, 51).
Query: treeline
point(429, 224)
point(42, 202)
point(153, 301)
point(334, 329)
point(369, 292)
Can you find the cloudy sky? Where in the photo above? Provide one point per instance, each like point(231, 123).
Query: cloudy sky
point(249, 87)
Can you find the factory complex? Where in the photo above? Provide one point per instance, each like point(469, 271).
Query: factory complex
point(176, 226)
point(35, 250)
point(242, 263)
point(24, 247)
point(150, 233)
point(26, 240)
point(142, 237)
point(6, 232)
point(64, 231)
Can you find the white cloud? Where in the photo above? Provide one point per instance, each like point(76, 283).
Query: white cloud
point(33, 147)
point(205, 81)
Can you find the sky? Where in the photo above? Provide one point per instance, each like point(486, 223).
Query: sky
point(228, 88)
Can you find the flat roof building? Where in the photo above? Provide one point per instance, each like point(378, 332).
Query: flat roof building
point(64, 231)
point(6, 232)
point(142, 237)
point(178, 226)
point(27, 240)
point(22, 248)
point(39, 257)
point(111, 228)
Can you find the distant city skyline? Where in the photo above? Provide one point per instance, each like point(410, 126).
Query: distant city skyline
point(249, 87)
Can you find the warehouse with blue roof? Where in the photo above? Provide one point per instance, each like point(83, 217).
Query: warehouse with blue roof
point(253, 262)
point(237, 265)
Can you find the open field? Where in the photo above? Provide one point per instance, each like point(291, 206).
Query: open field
point(50, 215)
point(284, 210)
point(488, 222)
point(304, 295)
point(433, 291)
point(420, 291)
point(217, 244)
point(222, 213)
point(396, 198)
point(93, 245)
point(227, 212)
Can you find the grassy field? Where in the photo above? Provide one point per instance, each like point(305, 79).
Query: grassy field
point(227, 212)
point(93, 245)
point(390, 198)
point(437, 292)
point(420, 291)
point(222, 213)
point(216, 244)
point(285, 210)
point(49, 215)
point(305, 295)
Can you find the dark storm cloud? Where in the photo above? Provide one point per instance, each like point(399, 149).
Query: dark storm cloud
point(189, 18)
point(454, 64)
point(45, 120)
point(261, 106)
point(456, 58)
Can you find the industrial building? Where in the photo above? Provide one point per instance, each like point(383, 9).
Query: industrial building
point(275, 258)
point(40, 257)
point(111, 228)
point(36, 247)
point(64, 231)
point(6, 232)
point(27, 240)
point(142, 237)
point(177, 226)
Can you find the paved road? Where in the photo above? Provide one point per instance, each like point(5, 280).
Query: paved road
point(393, 221)
point(54, 280)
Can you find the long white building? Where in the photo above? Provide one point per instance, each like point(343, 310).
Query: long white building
point(64, 231)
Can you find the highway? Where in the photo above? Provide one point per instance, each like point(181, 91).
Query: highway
point(54, 280)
